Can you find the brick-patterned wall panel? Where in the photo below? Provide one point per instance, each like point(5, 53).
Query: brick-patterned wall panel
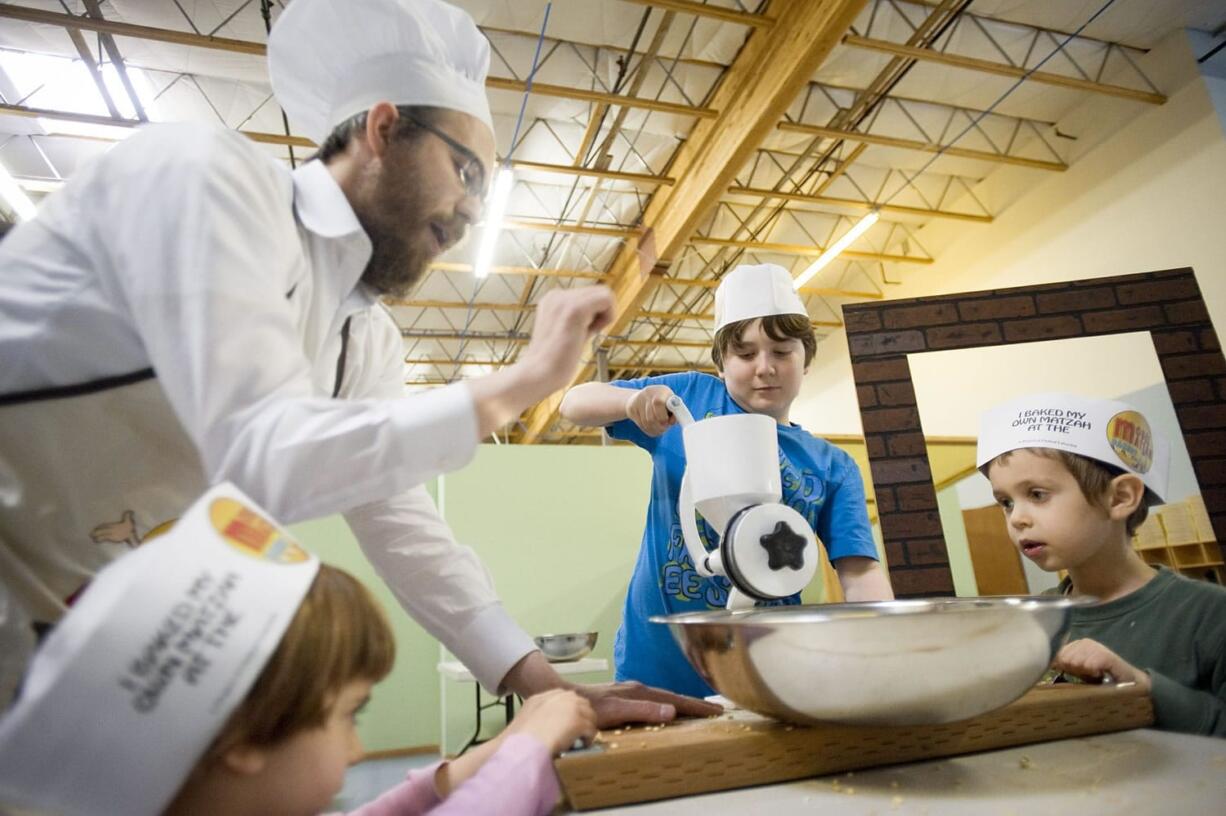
point(880, 335)
point(902, 477)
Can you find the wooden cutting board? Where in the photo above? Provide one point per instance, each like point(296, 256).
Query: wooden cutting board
point(740, 748)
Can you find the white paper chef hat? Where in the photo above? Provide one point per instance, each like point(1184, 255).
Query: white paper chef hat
point(1114, 433)
point(756, 291)
point(331, 59)
point(133, 684)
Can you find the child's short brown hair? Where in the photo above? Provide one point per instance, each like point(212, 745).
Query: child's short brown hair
point(1093, 477)
point(776, 327)
point(338, 635)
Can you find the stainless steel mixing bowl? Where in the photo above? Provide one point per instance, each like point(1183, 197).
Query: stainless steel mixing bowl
point(565, 648)
point(882, 663)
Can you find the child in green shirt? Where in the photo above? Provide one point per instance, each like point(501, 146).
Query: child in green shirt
point(1075, 478)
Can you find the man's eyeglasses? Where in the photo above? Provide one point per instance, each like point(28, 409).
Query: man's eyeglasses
point(470, 169)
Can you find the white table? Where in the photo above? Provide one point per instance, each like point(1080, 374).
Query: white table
point(1131, 772)
point(454, 670)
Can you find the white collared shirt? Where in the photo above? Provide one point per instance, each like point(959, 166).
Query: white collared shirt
point(180, 251)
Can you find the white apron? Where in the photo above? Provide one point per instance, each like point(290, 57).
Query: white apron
point(118, 468)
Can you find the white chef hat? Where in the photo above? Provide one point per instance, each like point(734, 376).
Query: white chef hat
point(1114, 433)
point(332, 59)
point(134, 683)
point(759, 290)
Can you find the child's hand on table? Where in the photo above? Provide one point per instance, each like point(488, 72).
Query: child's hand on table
point(1090, 660)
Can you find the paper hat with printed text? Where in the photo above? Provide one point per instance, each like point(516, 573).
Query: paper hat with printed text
point(133, 684)
point(753, 291)
point(329, 60)
point(1111, 432)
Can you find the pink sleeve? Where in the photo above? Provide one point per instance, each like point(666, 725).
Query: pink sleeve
point(412, 796)
point(518, 780)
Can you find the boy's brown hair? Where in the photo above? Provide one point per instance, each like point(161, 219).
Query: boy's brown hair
point(1093, 477)
point(338, 635)
point(776, 327)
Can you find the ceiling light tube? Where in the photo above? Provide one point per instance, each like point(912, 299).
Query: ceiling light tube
point(495, 210)
point(837, 248)
point(15, 197)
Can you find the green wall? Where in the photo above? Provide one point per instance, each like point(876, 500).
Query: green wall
point(403, 709)
point(559, 529)
point(956, 543)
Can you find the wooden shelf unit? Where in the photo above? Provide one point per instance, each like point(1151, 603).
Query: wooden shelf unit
point(1179, 536)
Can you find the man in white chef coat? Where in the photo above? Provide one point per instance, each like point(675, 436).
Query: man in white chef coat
point(187, 311)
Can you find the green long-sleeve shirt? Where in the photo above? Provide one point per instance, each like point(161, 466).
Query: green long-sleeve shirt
point(1175, 629)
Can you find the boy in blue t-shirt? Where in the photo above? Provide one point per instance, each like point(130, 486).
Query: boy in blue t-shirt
point(763, 345)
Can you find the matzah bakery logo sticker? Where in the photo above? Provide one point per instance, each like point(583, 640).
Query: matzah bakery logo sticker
point(251, 534)
point(1129, 436)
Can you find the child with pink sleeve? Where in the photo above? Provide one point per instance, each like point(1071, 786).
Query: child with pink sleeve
point(220, 669)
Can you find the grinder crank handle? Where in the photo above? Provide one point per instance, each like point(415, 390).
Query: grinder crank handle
point(677, 408)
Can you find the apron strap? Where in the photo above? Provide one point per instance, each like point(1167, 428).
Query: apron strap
point(77, 389)
point(340, 361)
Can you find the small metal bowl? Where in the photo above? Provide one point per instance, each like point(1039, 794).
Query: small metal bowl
point(565, 648)
point(904, 662)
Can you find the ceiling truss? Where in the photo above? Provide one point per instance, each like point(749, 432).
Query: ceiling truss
point(655, 170)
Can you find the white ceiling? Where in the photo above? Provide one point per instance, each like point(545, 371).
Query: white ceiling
point(585, 40)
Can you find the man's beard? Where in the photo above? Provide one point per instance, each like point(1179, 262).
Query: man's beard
point(398, 260)
point(397, 220)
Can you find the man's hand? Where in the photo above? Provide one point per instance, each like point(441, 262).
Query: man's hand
point(615, 703)
point(648, 409)
point(1090, 660)
point(620, 703)
point(566, 319)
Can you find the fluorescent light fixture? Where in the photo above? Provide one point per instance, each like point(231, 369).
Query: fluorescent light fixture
point(495, 209)
point(15, 197)
point(60, 83)
point(39, 185)
point(835, 249)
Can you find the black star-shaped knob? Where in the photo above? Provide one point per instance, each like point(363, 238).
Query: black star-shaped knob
point(784, 548)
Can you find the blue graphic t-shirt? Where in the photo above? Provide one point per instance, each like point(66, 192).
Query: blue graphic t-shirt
point(820, 481)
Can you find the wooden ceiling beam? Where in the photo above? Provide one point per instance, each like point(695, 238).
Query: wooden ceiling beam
point(460, 304)
point(1056, 33)
point(823, 291)
point(599, 97)
point(258, 49)
point(92, 119)
point(712, 12)
point(490, 363)
point(915, 144)
point(574, 229)
point(757, 192)
point(593, 172)
point(808, 250)
point(138, 32)
point(448, 266)
point(667, 369)
point(519, 340)
point(529, 307)
point(623, 366)
point(851, 203)
point(834, 324)
point(1002, 69)
point(770, 70)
